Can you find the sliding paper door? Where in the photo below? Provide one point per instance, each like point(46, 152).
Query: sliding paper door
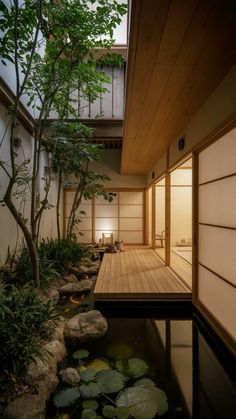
point(217, 231)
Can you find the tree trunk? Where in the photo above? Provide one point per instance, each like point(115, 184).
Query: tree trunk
point(58, 205)
point(28, 238)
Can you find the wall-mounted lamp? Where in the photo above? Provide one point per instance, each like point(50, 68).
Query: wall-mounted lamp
point(17, 142)
point(181, 143)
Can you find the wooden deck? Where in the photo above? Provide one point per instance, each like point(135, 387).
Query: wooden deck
point(137, 274)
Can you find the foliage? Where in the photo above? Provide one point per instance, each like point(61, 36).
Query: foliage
point(72, 155)
point(144, 402)
point(81, 354)
point(106, 394)
point(90, 404)
point(54, 258)
point(51, 47)
point(62, 252)
point(133, 367)
point(23, 272)
point(22, 318)
point(66, 397)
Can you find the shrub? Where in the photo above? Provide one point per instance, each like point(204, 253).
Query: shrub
point(23, 268)
point(62, 252)
point(22, 318)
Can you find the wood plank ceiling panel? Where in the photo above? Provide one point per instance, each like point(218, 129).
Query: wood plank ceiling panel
point(191, 55)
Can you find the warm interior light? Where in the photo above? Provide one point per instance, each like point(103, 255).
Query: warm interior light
point(107, 238)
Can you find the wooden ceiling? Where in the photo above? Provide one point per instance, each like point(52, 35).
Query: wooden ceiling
point(179, 51)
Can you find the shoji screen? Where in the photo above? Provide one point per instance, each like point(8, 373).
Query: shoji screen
point(217, 231)
point(106, 217)
point(131, 217)
point(85, 225)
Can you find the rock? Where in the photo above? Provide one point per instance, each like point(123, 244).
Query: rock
point(78, 288)
point(85, 327)
point(58, 333)
point(71, 278)
point(70, 376)
point(84, 269)
point(77, 272)
point(27, 406)
point(47, 386)
point(95, 256)
point(40, 369)
point(56, 352)
point(37, 370)
point(53, 294)
point(33, 406)
point(90, 270)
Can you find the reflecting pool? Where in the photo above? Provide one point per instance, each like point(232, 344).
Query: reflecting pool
point(190, 365)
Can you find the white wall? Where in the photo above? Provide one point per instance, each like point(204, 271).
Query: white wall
point(110, 164)
point(8, 227)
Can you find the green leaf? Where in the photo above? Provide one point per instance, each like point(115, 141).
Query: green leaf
point(144, 382)
point(122, 412)
point(143, 403)
point(90, 390)
point(90, 404)
point(87, 375)
point(110, 381)
point(108, 411)
point(98, 365)
point(88, 414)
point(119, 351)
point(133, 367)
point(66, 397)
point(80, 354)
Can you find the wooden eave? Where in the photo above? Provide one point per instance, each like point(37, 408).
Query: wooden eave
point(179, 51)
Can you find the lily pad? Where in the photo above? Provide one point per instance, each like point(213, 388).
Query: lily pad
point(88, 414)
point(143, 403)
point(81, 354)
point(98, 365)
point(110, 381)
point(133, 367)
point(66, 397)
point(108, 411)
point(119, 351)
point(90, 390)
point(90, 404)
point(87, 375)
point(144, 382)
point(122, 412)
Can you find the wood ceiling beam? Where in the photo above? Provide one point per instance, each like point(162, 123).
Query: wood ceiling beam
point(175, 73)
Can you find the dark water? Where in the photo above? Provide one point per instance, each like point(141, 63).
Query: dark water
point(195, 371)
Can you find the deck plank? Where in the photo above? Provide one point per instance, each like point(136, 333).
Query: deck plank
point(137, 273)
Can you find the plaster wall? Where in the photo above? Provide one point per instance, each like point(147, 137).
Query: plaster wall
point(10, 235)
point(110, 165)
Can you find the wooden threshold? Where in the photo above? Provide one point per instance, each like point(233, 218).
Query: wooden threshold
point(138, 274)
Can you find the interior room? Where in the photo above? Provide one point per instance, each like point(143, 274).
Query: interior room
point(160, 218)
point(181, 220)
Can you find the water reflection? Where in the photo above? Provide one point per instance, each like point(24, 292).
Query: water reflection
point(195, 380)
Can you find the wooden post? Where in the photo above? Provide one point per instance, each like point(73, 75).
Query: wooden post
point(153, 216)
point(195, 228)
point(167, 219)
